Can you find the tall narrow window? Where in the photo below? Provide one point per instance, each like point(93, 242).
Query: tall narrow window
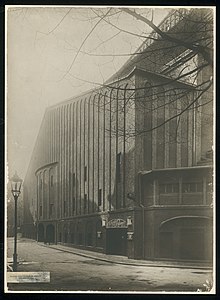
point(74, 179)
point(100, 197)
point(73, 203)
point(85, 173)
point(64, 207)
point(41, 210)
point(51, 180)
point(192, 187)
point(85, 201)
point(51, 209)
point(118, 167)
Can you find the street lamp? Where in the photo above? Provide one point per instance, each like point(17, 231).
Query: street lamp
point(16, 182)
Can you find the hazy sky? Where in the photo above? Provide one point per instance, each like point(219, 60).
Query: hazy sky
point(43, 66)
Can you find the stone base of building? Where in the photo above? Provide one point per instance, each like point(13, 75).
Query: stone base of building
point(137, 233)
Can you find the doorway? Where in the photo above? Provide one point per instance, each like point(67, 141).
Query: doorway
point(40, 233)
point(116, 241)
point(192, 243)
point(50, 234)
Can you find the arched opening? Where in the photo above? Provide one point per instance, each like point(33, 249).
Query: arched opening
point(186, 237)
point(50, 234)
point(40, 232)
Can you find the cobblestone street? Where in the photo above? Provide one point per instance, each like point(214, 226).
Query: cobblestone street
point(71, 272)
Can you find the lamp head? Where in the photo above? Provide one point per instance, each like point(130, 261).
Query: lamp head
point(16, 183)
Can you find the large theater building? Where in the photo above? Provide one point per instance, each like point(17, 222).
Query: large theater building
point(126, 169)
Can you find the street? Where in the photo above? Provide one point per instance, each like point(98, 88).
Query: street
point(70, 272)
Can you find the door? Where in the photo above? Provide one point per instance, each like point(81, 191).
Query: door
point(166, 244)
point(192, 243)
point(116, 241)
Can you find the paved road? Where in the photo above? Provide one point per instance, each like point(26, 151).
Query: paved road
point(70, 272)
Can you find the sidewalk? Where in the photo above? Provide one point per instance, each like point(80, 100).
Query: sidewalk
point(115, 259)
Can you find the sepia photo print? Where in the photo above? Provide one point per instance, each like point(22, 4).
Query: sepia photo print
point(110, 165)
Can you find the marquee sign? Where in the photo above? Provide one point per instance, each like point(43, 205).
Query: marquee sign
point(117, 223)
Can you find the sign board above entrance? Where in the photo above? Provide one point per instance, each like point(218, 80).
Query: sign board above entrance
point(116, 223)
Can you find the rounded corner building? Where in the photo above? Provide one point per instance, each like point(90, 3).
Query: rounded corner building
point(126, 168)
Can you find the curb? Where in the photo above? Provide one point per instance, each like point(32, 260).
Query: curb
point(127, 263)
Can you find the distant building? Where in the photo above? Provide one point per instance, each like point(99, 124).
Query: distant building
point(126, 169)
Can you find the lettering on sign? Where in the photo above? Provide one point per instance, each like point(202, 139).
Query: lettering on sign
point(117, 223)
point(28, 277)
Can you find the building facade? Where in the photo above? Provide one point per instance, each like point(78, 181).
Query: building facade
point(126, 169)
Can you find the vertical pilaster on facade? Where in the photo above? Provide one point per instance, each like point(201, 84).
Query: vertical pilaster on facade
point(67, 161)
point(173, 128)
point(44, 203)
point(167, 130)
point(204, 192)
point(190, 135)
point(71, 160)
point(124, 148)
point(56, 193)
point(154, 134)
point(104, 116)
point(180, 190)
point(117, 204)
point(37, 202)
point(178, 136)
point(49, 195)
point(198, 131)
point(205, 112)
point(88, 153)
point(80, 156)
point(98, 151)
point(194, 135)
point(55, 133)
point(53, 136)
point(76, 155)
point(155, 192)
point(110, 147)
point(86, 146)
point(43, 143)
point(146, 110)
point(96, 154)
point(58, 158)
point(61, 161)
point(93, 154)
point(160, 142)
point(47, 138)
point(184, 131)
point(85, 197)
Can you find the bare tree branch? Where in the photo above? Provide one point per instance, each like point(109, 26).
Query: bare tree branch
point(193, 46)
point(57, 25)
point(87, 36)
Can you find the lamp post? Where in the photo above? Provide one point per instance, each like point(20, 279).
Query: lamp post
point(16, 182)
